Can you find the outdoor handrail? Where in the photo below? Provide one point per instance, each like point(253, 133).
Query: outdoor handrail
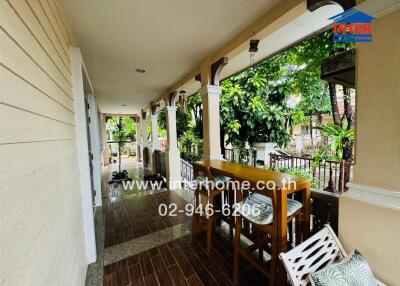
point(329, 175)
point(186, 171)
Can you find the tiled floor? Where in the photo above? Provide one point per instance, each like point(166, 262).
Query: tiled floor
point(137, 246)
point(129, 215)
point(180, 262)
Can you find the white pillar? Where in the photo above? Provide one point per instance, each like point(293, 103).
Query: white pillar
point(154, 132)
point(145, 144)
point(173, 155)
point(106, 151)
point(211, 130)
point(139, 139)
point(144, 132)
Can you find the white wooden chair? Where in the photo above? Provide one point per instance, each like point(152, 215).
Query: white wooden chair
point(317, 252)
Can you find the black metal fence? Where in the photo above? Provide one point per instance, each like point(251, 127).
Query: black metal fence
point(247, 157)
point(186, 171)
point(328, 175)
point(324, 204)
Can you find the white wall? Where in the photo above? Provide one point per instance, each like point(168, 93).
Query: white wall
point(41, 226)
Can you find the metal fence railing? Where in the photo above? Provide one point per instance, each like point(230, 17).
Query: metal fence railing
point(186, 171)
point(328, 175)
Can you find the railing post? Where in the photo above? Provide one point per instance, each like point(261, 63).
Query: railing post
point(344, 176)
point(272, 160)
point(331, 184)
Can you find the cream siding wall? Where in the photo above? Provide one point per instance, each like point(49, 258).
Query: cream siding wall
point(41, 229)
point(373, 229)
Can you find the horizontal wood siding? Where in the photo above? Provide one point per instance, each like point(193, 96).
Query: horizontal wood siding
point(41, 226)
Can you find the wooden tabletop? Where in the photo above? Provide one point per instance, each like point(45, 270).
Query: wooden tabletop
point(251, 174)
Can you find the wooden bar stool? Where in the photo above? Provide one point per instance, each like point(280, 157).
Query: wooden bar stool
point(207, 222)
point(265, 225)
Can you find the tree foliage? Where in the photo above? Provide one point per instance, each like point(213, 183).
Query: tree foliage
point(261, 103)
point(338, 138)
point(127, 130)
point(252, 110)
point(265, 101)
point(183, 119)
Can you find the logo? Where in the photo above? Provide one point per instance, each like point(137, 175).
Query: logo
point(352, 26)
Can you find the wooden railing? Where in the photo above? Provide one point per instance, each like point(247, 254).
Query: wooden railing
point(186, 171)
point(328, 175)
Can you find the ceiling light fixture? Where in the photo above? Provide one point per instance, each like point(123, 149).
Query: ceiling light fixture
point(140, 70)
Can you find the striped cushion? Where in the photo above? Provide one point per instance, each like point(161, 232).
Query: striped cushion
point(221, 178)
point(353, 270)
point(217, 178)
point(201, 180)
point(258, 209)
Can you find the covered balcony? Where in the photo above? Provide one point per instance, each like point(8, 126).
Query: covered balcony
point(97, 188)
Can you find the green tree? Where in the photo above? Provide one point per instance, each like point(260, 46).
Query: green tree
point(338, 138)
point(195, 107)
point(190, 146)
point(127, 131)
point(183, 119)
point(254, 104)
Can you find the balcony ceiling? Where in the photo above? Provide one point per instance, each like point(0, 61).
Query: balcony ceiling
point(166, 38)
point(170, 38)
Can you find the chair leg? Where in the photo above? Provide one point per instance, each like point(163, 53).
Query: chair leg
point(297, 221)
point(290, 236)
point(274, 260)
point(231, 217)
point(259, 239)
point(231, 226)
point(210, 227)
point(194, 216)
point(236, 257)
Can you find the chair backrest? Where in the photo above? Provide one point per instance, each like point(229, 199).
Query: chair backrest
point(317, 252)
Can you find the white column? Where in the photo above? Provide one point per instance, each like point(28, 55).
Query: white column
point(139, 140)
point(154, 132)
point(144, 132)
point(173, 155)
point(145, 143)
point(211, 130)
point(106, 151)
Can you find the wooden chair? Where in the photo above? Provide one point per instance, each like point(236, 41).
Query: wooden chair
point(317, 252)
point(266, 233)
point(213, 197)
